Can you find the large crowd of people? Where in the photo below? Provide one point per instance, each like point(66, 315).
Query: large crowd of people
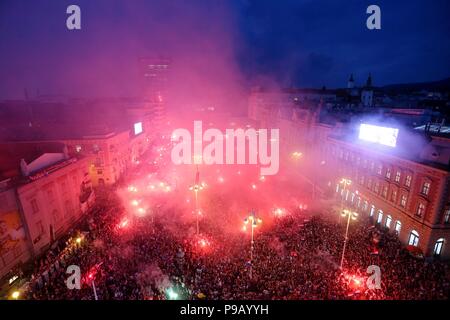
point(295, 258)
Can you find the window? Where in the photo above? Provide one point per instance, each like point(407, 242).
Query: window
point(380, 169)
point(438, 247)
point(425, 188)
point(403, 201)
point(398, 227)
point(380, 216)
point(413, 238)
point(365, 164)
point(420, 209)
point(408, 180)
point(34, 206)
point(39, 228)
point(447, 216)
point(377, 187)
point(388, 173)
point(394, 196)
point(99, 171)
point(361, 180)
point(372, 165)
point(388, 222)
point(358, 161)
point(385, 191)
point(397, 176)
point(372, 210)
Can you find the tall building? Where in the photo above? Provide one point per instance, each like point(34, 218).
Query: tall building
point(155, 75)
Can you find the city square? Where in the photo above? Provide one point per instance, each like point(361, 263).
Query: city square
point(215, 152)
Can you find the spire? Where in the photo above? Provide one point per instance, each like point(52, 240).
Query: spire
point(369, 81)
point(351, 82)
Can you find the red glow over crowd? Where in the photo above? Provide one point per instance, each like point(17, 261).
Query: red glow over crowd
point(146, 238)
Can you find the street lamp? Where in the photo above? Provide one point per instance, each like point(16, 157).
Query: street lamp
point(15, 295)
point(196, 188)
point(254, 221)
point(297, 154)
point(351, 215)
point(344, 182)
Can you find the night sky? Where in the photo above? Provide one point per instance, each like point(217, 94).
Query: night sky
point(228, 45)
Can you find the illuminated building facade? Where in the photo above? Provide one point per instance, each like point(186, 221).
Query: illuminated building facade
point(407, 194)
point(407, 197)
point(43, 193)
point(110, 155)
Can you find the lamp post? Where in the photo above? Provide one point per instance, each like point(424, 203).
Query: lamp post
point(196, 188)
point(95, 290)
point(345, 182)
point(254, 223)
point(351, 215)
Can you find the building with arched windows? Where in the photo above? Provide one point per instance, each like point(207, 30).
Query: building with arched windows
point(401, 187)
point(406, 191)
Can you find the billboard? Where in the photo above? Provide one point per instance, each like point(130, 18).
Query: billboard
point(12, 236)
point(137, 128)
point(381, 135)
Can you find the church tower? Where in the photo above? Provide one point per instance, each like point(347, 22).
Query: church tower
point(369, 81)
point(367, 93)
point(351, 82)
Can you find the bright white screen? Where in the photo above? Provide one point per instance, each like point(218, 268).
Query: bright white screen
point(381, 135)
point(138, 128)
